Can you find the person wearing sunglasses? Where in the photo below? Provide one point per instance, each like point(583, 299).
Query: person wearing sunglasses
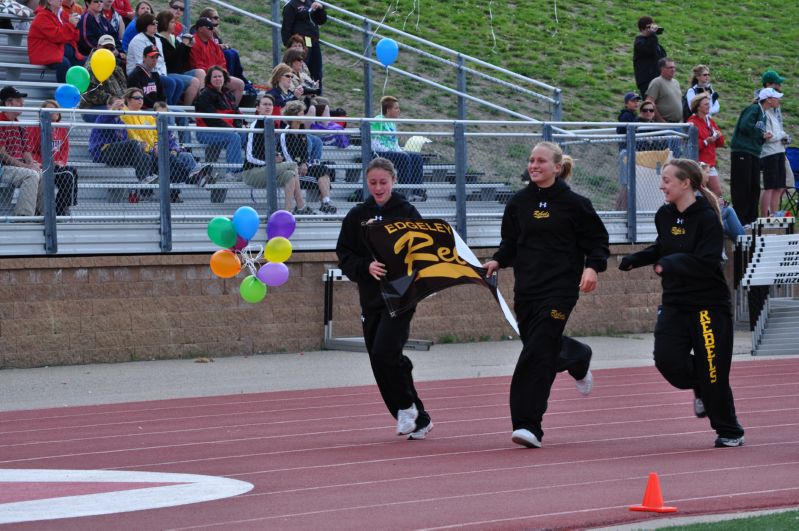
point(628, 114)
point(206, 53)
point(232, 58)
point(177, 7)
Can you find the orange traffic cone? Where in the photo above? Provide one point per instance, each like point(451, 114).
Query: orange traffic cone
point(653, 499)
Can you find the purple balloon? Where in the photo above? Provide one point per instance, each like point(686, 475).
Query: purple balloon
point(281, 223)
point(273, 274)
point(241, 243)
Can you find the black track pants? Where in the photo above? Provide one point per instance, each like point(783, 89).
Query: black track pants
point(545, 352)
point(709, 334)
point(385, 337)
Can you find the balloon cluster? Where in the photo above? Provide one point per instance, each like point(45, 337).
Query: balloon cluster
point(237, 253)
point(103, 64)
point(387, 51)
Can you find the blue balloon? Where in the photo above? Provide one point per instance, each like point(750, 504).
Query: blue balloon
point(386, 51)
point(245, 221)
point(67, 96)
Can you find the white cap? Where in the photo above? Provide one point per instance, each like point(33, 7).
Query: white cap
point(767, 93)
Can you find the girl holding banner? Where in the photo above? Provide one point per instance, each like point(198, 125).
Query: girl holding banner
point(696, 312)
point(385, 336)
point(557, 244)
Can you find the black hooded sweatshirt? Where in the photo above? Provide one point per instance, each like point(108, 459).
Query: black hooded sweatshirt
point(354, 255)
point(688, 248)
point(549, 236)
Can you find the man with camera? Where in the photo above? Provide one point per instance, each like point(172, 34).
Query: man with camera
point(647, 51)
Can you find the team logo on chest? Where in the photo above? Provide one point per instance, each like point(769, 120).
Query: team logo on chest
point(541, 212)
point(679, 227)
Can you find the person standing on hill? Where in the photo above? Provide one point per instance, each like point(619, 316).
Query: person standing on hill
point(696, 312)
point(303, 17)
point(647, 51)
point(557, 245)
point(747, 144)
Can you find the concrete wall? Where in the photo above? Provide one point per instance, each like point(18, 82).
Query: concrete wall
point(73, 310)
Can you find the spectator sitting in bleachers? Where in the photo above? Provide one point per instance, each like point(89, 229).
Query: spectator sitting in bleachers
point(281, 92)
point(306, 151)
point(17, 166)
point(297, 42)
point(125, 11)
point(174, 85)
point(295, 59)
point(96, 96)
point(130, 30)
point(232, 60)
point(177, 7)
point(254, 173)
point(206, 53)
point(114, 148)
point(216, 98)
point(145, 77)
point(409, 165)
point(182, 166)
point(322, 107)
point(176, 51)
point(65, 176)
point(94, 25)
point(50, 39)
point(116, 20)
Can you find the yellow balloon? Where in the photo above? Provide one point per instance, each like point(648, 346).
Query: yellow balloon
point(103, 63)
point(278, 249)
point(225, 264)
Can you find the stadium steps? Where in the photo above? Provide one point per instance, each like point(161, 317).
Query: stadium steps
point(781, 331)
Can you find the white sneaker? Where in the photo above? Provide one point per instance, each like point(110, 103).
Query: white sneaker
point(421, 433)
point(525, 438)
point(406, 420)
point(586, 384)
point(150, 179)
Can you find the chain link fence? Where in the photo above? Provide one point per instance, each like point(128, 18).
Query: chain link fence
point(140, 167)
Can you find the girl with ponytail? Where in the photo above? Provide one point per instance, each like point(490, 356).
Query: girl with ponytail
point(696, 313)
point(556, 244)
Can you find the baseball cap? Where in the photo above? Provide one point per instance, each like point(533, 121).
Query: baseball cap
point(9, 92)
point(204, 22)
point(631, 96)
point(771, 76)
point(105, 40)
point(150, 51)
point(768, 93)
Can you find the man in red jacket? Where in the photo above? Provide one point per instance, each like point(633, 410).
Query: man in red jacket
point(50, 40)
point(207, 53)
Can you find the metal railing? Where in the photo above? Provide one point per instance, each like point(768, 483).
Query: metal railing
point(462, 64)
point(468, 171)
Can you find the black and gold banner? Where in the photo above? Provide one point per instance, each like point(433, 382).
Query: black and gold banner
point(421, 258)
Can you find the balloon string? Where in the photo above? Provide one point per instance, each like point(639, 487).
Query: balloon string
point(491, 25)
point(385, 83)
point(390, 10)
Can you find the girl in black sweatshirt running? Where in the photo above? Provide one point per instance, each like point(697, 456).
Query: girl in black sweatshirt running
point(557, 244)
point(385, 336)
point(696, 311)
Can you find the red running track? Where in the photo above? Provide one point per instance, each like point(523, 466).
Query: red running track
point(329, 459)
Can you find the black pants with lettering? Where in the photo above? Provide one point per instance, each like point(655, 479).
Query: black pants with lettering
point(385, 337)
point(545, 352)
point(709, 333)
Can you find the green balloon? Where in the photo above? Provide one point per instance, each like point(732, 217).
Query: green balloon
point(252, 290)
point(79, 77)
point(222, 232)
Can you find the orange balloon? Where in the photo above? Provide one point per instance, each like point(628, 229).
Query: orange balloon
point(225, 264)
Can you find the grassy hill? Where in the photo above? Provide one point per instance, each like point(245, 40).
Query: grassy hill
point(583, 47)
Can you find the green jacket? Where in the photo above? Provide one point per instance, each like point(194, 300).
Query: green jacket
point(748, 134)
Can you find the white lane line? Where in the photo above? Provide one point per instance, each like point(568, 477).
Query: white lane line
point(186, 488)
